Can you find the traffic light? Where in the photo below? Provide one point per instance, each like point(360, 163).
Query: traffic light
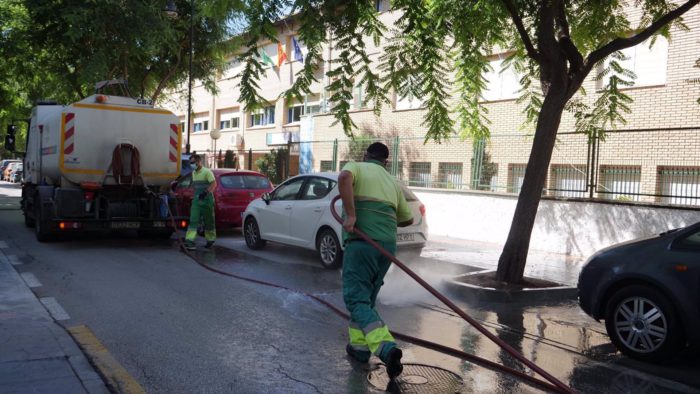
point(10, 138)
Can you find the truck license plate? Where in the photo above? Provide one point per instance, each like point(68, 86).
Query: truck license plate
point(405, 237)
point(125, 225)
point(159, 224)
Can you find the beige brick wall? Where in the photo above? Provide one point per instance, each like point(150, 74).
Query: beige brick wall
point(671, 105)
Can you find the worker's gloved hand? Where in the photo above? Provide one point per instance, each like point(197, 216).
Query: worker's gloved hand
point(203, 195)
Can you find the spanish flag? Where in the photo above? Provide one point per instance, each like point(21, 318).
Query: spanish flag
point(281, 55)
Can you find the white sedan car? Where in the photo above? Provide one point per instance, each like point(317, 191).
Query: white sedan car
point(298, 213)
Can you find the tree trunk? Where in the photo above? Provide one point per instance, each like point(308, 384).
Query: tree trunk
point(511, 264)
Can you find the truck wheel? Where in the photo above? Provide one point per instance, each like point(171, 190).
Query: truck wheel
point(41, 227)
point(27, 208)
point(29, 222)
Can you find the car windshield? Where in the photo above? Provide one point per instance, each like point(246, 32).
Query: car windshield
point(244, 182)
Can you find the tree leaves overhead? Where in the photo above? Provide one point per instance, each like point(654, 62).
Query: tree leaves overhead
point(60, 48)
point(438, 51)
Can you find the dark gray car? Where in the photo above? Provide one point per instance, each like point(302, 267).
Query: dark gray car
point(648, 293)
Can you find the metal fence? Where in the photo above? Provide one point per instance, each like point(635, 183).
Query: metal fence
point(646, 165)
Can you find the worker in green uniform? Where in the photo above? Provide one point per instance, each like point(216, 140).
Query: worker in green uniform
point(373, 202)
point(204, 183)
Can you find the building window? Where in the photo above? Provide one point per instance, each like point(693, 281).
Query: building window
point(359, 97)
point(395, 168)
point(382, 5)
point(516, 175)
point(229, 119)
point(621, 183)
point(450, 175)
point(232, 123)
point(648, 64)
point(263, 117)
point(569, 181)
point(679, 185)
point(408, 102)
point(419, 174)
point(295, 113)
point(200, 125)
point(326, 165)
point(500, 84)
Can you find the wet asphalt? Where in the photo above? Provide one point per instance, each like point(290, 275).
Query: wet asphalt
point(178, 328)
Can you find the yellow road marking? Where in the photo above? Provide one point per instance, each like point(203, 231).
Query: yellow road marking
point(117, 378)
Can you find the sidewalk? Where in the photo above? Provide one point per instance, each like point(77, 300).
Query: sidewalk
point(559, 268)
point(37, 355)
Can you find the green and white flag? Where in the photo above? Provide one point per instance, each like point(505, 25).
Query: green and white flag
point(266, 59)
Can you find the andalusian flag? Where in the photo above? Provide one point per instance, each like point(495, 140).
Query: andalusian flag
point(281, 55)
point(265, 58)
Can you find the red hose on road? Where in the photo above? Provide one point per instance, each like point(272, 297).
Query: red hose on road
point(498, 341)
point(404, 337)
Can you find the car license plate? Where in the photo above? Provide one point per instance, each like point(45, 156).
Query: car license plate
point(159, 224)
point(405, 237)
point(125, 225)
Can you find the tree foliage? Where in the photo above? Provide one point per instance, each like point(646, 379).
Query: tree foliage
point(59, 49)
point(438, 50)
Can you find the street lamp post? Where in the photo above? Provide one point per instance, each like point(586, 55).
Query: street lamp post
point(215, 134)
point(171, 10)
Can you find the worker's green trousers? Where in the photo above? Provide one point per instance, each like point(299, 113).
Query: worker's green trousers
point(363, 275)
point(202, 208)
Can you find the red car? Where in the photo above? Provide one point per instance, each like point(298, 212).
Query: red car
point(234, 190)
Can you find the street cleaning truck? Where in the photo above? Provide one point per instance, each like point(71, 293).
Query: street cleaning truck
point(103, 163)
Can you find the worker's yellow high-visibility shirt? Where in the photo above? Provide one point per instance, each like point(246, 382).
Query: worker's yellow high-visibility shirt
point(379, 201)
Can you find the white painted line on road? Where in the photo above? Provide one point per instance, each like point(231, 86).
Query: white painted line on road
point(3, 245)
point(54, 308)
point(30, 279)
point(14, 260)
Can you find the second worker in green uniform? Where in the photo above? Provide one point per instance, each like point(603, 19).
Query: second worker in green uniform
point(374, 203)
point(204, 183)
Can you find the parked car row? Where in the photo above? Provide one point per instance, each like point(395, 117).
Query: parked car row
point(11, 170)
point(296, 213)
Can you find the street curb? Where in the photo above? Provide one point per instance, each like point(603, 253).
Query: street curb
point(490, 294)
point(115, 376)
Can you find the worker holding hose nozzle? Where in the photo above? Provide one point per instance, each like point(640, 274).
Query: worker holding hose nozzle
point(373, 202)
point(204, 184)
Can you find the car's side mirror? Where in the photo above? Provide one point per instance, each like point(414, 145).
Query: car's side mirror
point(266, 197)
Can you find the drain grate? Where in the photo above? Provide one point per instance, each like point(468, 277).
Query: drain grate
point(418, 378)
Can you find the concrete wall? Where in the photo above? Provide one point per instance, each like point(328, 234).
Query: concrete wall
point(571, 227)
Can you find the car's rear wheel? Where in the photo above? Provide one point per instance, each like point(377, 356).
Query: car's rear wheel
point(329, 250)
point(643, 324)
point(251, 232)
point(41, 223)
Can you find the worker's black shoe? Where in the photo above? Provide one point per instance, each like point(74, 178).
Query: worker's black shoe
point(358, 355)
point(209, 244)
point(190, 246)
point(393, 363)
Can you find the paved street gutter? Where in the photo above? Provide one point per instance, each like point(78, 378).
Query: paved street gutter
point(117, 378)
